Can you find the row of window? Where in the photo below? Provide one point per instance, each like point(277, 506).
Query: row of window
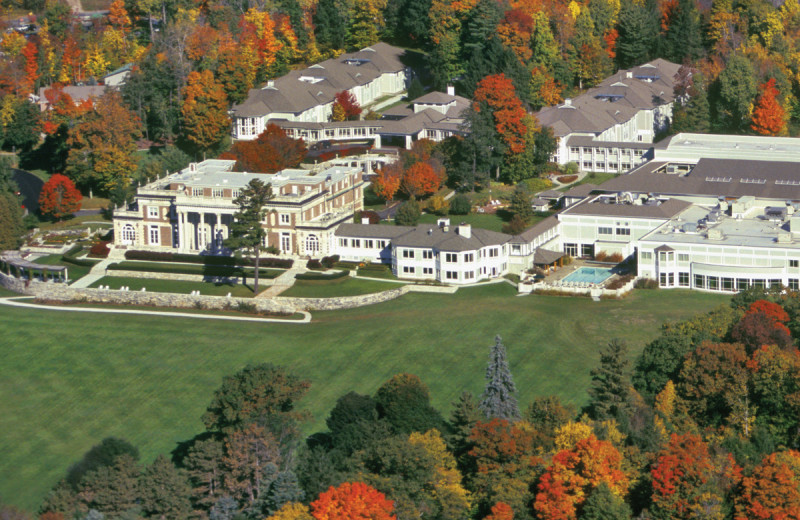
point(216, 193)
point(449, 258)
point(717, 283)
point(368, 243)
point(620, 231)
point(669, 256)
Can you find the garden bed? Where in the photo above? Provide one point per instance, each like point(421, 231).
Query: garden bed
point(175, 286)
point(343, 286)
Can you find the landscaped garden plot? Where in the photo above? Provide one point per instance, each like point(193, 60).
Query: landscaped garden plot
point(69, 380)
point(175, 286)
point(344, 286)
point(205, 270)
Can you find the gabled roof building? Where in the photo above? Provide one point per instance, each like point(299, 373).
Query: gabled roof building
point(611, 127)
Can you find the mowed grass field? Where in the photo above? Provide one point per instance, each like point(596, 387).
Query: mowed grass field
point(68, 380)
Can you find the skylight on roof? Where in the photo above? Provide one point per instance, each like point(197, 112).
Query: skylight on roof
point(753, 181)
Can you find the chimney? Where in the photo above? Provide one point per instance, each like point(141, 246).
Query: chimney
point(451, 90)
point(567, 102)
point(629, 74)
point(464, 230)
point(365, 220)
point(442, 222)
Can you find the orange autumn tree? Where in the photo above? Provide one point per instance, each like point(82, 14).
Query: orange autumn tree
point(352, 501)
point(30, 52)
point(420, 179)
point(688, 481)
point(501, 511)
point(574, 473)
point(59, 197)
point(497, 114)
point(772, 491)
point(769, 117)
point(204, 110)
point(345, 107)
point(270, 152)
point(387, 181)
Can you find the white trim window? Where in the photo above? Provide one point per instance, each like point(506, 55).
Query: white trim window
point(286, 219)
point(128, 234)
point(155, 235)
point(312, 244)
point(152, 212)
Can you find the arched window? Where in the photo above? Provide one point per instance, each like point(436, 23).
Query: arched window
point(312, 244)
point(128, 234)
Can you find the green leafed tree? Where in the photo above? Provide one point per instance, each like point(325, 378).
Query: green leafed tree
point(404, 401)
point(246, 232)
point(264, 394)
point(498, 399)
point(408, 213)
point(603, 504)
point(737, 89)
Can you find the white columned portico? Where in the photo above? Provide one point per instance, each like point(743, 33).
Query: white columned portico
point(193, 228)
point(181, 231)
point(201, 240)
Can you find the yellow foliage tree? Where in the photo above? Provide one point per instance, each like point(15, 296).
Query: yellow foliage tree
point(12, 44)
point(568, 436)
point(292, 511)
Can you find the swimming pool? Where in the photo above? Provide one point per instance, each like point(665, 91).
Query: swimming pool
point(589, 275)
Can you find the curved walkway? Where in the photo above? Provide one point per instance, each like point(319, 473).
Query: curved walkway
point(13, 302)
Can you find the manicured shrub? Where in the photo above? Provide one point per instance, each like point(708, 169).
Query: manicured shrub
point(99, 250)
point(314, 264)
point(321, 276)
point(647, 283)
point(329, 261)
point(165, 256)
point(601, 256)
point(616, 258)
point(460, 205)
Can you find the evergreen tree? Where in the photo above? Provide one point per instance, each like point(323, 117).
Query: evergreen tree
point(330, 24)
point(637, 31)
point(692, 113)
point(683, 39)
point(415, 89)
point(610, 382)
point(404, 402)
point(246, 231)
point(498, 399)
point(284, 489)
point(521, 203)
point(164, 491)
point(464, 417)
point(408, 213)
point(603, 504)
point(224, 509)
point(737, 88)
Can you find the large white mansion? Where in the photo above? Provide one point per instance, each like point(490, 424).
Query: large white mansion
point(191, 210)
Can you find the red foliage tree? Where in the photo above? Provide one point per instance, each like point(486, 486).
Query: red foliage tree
point(270, 152)
point(772, 491)
point(30, 52)
point(686, 479)
point(420, 179)
point(769, 117)
point(763, 324)
point(574, 473)
point(498, 92)
point(352, 501)
point(501, 511)
point(59, 197)
point(345, 107)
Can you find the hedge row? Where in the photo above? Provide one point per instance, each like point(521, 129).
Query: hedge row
point(70, 257)
point(321, 276)
point(166, 256)
point(205, 270)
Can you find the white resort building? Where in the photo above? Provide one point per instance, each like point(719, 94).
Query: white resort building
point(190, 211)
point(611, 127)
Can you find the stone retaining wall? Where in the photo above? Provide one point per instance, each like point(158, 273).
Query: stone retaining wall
point(180, 277)
point(64, 293)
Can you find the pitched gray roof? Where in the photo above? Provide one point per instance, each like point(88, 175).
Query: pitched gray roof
point(545, 256)
point(290, 94)
point(581, 190)
point(435, 237)
point(535, 230)
point(616, 99)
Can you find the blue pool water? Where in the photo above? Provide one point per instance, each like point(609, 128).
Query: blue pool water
point(589, 275)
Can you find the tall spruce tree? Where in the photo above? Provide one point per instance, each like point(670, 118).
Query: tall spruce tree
point(610, 390)
point(498, 399)
point(246, 231)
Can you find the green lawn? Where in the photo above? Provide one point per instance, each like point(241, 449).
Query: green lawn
point(70, 379)
point(182, 268)
point(175, 286)
point(592, 178)
point(345, 286)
